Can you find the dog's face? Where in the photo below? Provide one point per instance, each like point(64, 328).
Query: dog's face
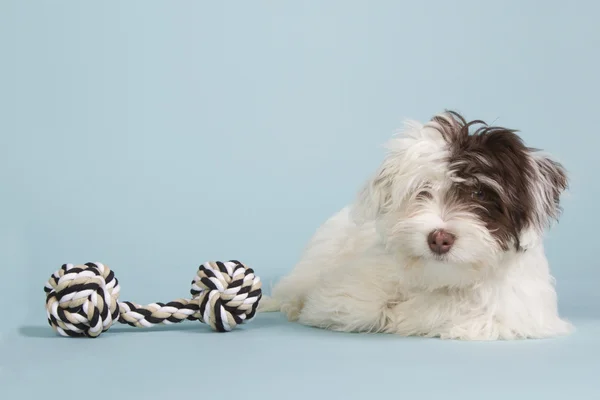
point(454, 197)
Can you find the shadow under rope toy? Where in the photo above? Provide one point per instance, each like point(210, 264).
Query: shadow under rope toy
point(83, 300)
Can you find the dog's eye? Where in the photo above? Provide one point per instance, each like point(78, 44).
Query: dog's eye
point(478, 195)
point(424, 194)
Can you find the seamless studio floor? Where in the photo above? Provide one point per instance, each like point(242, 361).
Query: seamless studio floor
point(270, 358)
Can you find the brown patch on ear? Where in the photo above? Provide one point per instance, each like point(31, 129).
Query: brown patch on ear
point(554, 180)
point(496, 173)
point(510, 186)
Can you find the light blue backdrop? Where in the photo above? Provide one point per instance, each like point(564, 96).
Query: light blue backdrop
point(153, 136)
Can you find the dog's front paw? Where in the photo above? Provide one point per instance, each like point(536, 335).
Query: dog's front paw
point(498, 331)
point(469, 334)
point(480, 331)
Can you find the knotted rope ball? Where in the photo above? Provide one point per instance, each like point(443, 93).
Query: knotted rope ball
point(83, 300)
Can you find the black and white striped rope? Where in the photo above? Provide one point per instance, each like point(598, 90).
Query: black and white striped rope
point(83, 300)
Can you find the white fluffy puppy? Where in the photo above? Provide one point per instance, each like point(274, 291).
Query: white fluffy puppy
point(444, 241)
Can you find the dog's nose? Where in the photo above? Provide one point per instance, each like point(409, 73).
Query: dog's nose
point(440, 241)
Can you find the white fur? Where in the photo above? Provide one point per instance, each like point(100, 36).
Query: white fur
point(369, 269)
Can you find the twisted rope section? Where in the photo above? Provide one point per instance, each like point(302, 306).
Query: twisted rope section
point(83, 300)
point(149, 315)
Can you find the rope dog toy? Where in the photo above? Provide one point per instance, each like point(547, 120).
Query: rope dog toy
point(83, 300)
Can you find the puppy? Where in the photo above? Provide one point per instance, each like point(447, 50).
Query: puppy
point(445, 240)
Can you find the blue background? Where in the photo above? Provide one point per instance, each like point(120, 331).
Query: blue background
point(154, 136)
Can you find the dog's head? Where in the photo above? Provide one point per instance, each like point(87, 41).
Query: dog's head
point(453, 197)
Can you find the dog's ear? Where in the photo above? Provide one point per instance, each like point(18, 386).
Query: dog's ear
point(376, 195)
point(550, 180)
